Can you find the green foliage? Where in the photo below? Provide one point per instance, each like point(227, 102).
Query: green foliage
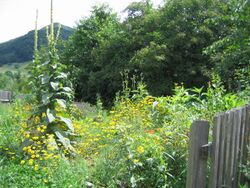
point(142, 141)
point(8, 127)
point(164, 44)
point(89, 56)
point(14, 81)
point(14, 175)
point(231, 53)
point(65, 174)
point(53, 92)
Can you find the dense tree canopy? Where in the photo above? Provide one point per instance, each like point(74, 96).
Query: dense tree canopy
point(231, 54)
point(164, 45)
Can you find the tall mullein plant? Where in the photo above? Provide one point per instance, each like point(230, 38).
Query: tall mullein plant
point(55, 94)
point(36, 65)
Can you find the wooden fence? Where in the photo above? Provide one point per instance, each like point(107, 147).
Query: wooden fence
point(228, 150)
point(5, 96)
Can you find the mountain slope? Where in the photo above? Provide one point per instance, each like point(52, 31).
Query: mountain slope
point(20, 49)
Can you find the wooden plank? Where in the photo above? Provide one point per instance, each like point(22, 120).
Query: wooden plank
point(216, 150)
point(231, 135)
point(246, 140)
point(247, 133)
point(233, 150)
point(197, 165)
point(237, 148)
point(242, 139)
point(228, 148)
point(222, 141)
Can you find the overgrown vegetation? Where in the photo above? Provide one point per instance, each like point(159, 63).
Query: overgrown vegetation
point(141, 140)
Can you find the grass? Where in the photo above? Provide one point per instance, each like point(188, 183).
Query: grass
point(15, 67)
point(66, 174)
point(4, 109)
point(6, 127)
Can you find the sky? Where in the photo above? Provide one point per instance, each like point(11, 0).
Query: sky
point(17, 17)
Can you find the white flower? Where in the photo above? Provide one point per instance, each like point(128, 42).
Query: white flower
point(155, 103)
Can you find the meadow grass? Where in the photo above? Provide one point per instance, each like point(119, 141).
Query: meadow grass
point(22, 67)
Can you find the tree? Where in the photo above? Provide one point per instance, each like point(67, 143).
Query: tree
point(91, 52)
point(174, 37)
point(164, 45)
point(231, 53)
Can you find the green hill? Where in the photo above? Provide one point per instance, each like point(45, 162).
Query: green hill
point(20, 49)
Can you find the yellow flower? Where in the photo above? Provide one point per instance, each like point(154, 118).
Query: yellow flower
point(27, 135)
point(140, 149)
point(33, 156)
point(136, 161)
point(35, 138)
point(112, 123)
point(22, 162)
point(31, 161)
point(45, 181)
point(36, 167)
point(37, 119)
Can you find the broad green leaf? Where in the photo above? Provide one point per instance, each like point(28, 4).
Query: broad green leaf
point(68, 122)
point(62, 75)
point(52, 142)
point(45, 79)
point(55, 85)
point(67, 89)
point(65, 141)
point(133, 181)
point(64, 94)
point(46, 98)
point(61, 102)
point(50, 116)
point(54, 66)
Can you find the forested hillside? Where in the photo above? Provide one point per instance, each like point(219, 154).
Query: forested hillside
point(21, 49)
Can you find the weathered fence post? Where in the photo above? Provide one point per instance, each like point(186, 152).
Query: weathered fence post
point(5, 96)
point(197, 160)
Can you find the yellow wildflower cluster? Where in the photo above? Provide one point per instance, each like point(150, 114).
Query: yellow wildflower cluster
point(127, 118)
